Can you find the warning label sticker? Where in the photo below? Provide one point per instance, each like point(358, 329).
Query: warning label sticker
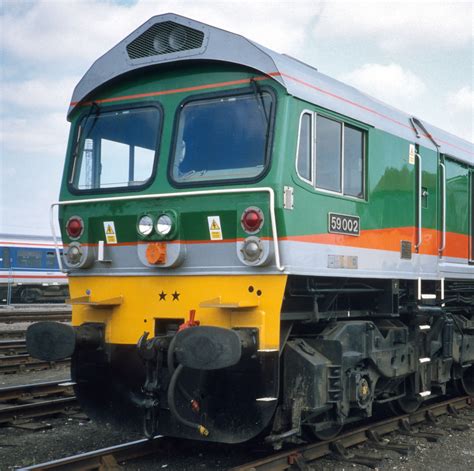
point(215, 228)
point(110, 234)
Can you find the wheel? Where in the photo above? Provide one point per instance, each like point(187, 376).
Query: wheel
point(332, 430)
point(466, 382)
point(29, 295)
point(328, 433)
point(408, 404)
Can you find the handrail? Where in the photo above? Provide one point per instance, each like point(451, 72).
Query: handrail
point(268, 190)
point(443, 236)
point(420, 195)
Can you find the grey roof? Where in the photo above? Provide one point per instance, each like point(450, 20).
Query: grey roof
point(300, 80)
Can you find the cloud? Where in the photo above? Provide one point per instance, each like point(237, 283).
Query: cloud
point(396, 26)
point(40, 92)
point(75, 32)
point(43, 136)
point(462, 100)
point(390, 83)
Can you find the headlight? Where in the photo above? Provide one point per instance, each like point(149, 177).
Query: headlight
point(252, 249)
point(74, 254)
point(164, 225)
point(145, 225)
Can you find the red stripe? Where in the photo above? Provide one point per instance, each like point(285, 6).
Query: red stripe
point(34, 276)
point(32, 244)
point(370, 110)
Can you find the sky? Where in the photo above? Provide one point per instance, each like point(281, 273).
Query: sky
point(415, 55)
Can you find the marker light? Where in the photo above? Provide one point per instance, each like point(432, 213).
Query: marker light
point(252, 249)
point(252, 220)
point(74, 254)
point(145, 225)
point(164, 224)
point(74, 227)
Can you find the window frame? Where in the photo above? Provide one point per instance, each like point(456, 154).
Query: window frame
point(110, 109)
point(314, 122)
point(312, 149)
point(216, 95)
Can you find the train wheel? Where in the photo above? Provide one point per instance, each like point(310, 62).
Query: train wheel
point(29, 295)
point(410, 402)
point(328, 433)
point(466, 383)
point(332, 430)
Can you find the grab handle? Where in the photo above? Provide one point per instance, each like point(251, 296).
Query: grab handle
point(420, 196)
point(443, 211)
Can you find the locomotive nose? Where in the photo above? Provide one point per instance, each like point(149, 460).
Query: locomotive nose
point(53, 341)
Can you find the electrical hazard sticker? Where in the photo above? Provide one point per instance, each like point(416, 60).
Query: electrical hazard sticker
point(215, 228)
point(110, 234)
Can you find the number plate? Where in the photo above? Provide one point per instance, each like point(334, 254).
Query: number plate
point(343, 224)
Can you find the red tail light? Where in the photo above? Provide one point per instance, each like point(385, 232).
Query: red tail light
point(74, 227)
point(252, 220)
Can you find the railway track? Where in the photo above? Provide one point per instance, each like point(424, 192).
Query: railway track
point(107, 458)
point(372, 433)
point(33, 313)
point(12, 347)
point(35, 400)
point(12, 334)
point(23, 362)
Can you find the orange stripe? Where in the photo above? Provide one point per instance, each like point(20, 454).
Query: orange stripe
point(269, 74)
point(177, 90)
point(457, 245)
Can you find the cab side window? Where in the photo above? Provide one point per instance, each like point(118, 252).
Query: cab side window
point(305, 144)
point(353, 162)
point(328, 154)
point(340, 155)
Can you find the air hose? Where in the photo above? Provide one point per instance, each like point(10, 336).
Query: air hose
point(172, 405)
point(171, 369)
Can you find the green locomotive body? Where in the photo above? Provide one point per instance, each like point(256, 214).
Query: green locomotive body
point(254, 248)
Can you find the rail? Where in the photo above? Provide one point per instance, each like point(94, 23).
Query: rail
point(282, 461)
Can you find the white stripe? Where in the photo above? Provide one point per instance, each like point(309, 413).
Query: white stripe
point(425, 393)
point(424, 327)
point(425, 360)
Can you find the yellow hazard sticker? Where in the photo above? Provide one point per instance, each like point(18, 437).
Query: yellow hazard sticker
point(110, 234)
point(215, 228)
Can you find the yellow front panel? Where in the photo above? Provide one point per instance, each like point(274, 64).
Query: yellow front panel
point(224, 301)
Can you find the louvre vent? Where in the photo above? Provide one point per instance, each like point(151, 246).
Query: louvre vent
point(165, 38)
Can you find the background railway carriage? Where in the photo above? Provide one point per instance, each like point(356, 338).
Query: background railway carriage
point(29, 270)
point(253, 247)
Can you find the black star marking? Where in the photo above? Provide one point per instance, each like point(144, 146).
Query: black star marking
point(175, 296)
point(162, 296)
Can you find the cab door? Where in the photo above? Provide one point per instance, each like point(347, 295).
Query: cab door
point(456, 207)
point(471, 221)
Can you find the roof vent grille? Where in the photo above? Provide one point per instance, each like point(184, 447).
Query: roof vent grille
point(165, 38)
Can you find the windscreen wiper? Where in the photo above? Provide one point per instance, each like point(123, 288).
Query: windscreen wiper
point(259, 97)
point(93, 109)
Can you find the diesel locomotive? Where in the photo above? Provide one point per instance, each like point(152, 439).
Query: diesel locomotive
point(255, 249)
